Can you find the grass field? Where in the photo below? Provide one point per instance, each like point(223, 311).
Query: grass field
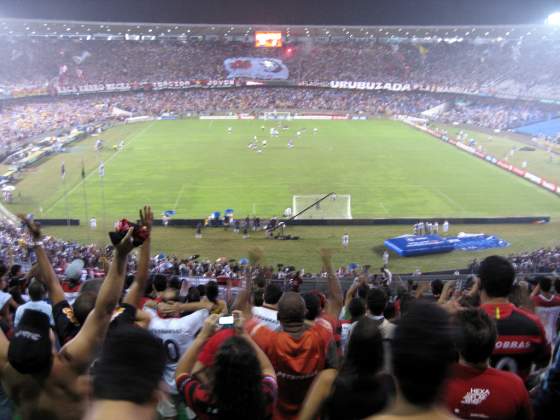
point(196, 167)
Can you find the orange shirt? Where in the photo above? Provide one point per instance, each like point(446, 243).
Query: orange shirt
point(297, 361)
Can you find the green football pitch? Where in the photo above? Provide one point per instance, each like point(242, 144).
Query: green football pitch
point(196, 167)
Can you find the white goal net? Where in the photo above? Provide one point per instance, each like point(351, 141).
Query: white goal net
point(333, 207)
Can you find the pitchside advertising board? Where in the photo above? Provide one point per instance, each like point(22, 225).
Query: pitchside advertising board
point(535, 179)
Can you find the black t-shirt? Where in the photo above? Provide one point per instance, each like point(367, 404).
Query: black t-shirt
point(67, 326)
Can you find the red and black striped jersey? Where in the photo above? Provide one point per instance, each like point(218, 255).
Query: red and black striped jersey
point(521, 339)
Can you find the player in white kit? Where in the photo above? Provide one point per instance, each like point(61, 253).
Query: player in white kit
point(385, 258)
point(445, 227)
point(345, 240)
point(177, 335)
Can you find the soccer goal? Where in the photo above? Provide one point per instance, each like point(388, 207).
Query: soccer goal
point(333, 207)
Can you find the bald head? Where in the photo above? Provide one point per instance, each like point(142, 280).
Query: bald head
point(291, 308)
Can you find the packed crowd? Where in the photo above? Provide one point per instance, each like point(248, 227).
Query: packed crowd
point(19, 121)
point(496, 115)
point(100, 348)
point(487, 67)
point(22, 120)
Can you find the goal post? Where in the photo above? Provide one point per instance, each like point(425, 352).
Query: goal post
point(334, 207)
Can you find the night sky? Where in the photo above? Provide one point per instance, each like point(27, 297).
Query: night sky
point(292, 12)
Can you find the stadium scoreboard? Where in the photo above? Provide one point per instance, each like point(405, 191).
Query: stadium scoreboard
point(268, 39)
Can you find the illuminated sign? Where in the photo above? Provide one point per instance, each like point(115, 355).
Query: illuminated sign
point(268, 39)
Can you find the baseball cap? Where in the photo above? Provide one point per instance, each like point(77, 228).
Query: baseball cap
point(30, 349)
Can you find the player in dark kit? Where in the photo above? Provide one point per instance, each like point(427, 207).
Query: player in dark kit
point(521, 337)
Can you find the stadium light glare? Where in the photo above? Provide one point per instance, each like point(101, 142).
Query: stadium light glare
point(553, 19)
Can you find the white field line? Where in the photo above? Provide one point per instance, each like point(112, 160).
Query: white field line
point(383, 207)
point(178, 197)
point(75, 187)
point(447, 198)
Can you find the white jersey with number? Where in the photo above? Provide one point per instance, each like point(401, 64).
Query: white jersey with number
point(177, 335)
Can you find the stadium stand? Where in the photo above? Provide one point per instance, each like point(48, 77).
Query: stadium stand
point(373, 343)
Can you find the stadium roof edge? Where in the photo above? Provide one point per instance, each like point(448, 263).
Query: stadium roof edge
point(45, 27)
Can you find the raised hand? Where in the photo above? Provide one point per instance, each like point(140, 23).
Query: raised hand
point(147, 218)
point(238, 321)
point(255, 255)
point(326, 255)
point(124, 247)
point(210, 326)
point(33, 227)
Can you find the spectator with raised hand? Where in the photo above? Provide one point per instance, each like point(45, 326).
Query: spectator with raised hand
point(358, 389)
point(47, 383)
point(422, 352)
point(136, 290)
point(243, 384)
point(521, 337)
point(474, 389)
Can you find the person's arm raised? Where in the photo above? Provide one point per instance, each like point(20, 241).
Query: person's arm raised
point(136, 291)
point(79, 352)
point(46, 274)
point(188, 360)
point(264, 362)
point(243, 301)
point(335, 299)
point(318, 393)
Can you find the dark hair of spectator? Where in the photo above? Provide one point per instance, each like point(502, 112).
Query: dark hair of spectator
point(405, 301)
point(175, 283)
point(92, 286)
point(422, 350)
point(159, 282)
point(312, 306)
point(36, 290)
point(212, 291)
point(237, 377)
point(15, 270)
point(193, 295)
point(116, 375)
point(258, 297)
point(363, 291)
point(201, 289)
point(83, 305)
point(272, 294)
point(376, 301)
point(356, 308)
point(357, 390)
point(291, 308)
point(390, 311)
point(496, 276)
point(476, 335)
point(545, 283)
point(437, 287)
